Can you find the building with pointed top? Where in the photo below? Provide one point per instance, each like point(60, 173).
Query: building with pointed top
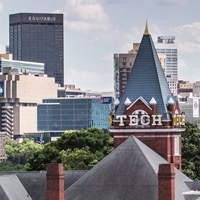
point(147, 108)
point(146, 112)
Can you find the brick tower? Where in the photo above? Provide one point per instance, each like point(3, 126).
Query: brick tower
point(147, 108)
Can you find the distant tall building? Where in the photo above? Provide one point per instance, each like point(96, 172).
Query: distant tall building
point(166, 45)
point(38, 37)
point(122, 68)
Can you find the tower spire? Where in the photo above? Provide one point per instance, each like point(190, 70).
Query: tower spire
point(146, 31)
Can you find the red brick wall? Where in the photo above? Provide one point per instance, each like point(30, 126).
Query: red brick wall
point(166, 182)
point(55, 182)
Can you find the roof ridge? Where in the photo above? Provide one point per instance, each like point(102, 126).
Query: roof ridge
point(137, 140)
point(156, 55)
point(91, 170)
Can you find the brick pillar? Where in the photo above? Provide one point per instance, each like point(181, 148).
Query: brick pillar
point(166, 182)
point(55, 181)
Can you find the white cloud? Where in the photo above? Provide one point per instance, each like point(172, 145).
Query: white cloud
point(77, 76)
point(1, 6)
point(91, 79)
point(2, 49)
point(182, 65)
point(168, 2)
point(188, 37)
point(108, 57)
point(85, 15)
point(84, 26)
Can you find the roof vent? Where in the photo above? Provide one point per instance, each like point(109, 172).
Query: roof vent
point(170, 101)
point(153, 101)
point(117, 102)
point(127, 102)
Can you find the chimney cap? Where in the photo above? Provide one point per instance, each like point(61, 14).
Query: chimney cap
point(117, 102)
point(127, 102)
point(153, 101)
point(170, 101)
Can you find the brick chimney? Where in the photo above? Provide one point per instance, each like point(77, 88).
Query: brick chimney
point(166, 182)
point(55, 181)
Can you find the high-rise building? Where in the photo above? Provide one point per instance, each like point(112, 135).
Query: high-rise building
point(122, 68)
point(38, 37)
point(166, 45)
point(2, 146)
point(19, 96)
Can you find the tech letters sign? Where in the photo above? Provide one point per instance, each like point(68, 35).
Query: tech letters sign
point(135, 120)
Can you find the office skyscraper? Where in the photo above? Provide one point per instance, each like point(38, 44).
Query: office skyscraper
point(38, 37)
point(166, 46)
point(123, 63)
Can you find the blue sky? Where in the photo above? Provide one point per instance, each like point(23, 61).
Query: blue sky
point(96, 29)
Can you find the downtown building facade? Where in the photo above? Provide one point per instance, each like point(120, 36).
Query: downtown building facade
point(166, 45)
point(123, 64)
point(38, 37)
point(21, 66)
point(19, 95)
point(57, 115)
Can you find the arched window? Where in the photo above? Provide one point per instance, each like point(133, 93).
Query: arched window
point(140, 113)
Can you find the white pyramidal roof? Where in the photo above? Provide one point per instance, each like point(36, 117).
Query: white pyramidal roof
point(153, 101)
point(117, 102)
point(127, 102)
point(170, 101)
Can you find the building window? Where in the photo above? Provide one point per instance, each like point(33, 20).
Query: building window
point(176, 146)
point(124, 61)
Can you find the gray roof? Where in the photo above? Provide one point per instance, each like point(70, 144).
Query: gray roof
point(12, 189)
point(147, 79)
point(30, 183)
point(129, 171)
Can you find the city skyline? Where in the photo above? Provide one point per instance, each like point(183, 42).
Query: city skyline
point(95, 30)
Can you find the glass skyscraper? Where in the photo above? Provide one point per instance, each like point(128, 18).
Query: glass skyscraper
point(38, 37)
point(58, 115)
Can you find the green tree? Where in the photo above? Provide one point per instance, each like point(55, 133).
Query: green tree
point(75, 149)
point(191, 151)
point(17, 154)
point(9, 166)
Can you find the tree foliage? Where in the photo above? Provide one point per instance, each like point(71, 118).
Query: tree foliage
point(9, 166)
point(17, 154)
point(77, 150)
point(191, 151)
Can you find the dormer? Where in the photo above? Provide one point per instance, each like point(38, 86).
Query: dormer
point(138, 104)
